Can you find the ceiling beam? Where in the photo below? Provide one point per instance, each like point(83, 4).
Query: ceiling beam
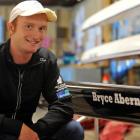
point(44, 2)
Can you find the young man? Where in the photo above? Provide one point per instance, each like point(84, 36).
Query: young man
point(26, 72)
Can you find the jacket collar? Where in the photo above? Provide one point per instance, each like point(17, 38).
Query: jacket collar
point(35, 59)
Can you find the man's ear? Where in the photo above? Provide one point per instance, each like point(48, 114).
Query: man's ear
point(11, 28)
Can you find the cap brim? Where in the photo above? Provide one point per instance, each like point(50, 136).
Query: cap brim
point(51, 16)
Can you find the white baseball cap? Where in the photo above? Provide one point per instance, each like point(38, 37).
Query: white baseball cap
point(31, 7)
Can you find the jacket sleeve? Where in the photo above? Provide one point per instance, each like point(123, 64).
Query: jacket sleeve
point(9, 126)
point(60, 106)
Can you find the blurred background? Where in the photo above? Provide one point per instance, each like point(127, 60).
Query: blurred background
point(68, 41)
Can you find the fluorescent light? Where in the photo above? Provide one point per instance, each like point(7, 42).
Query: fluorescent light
point(118, 10)
point(129, 46)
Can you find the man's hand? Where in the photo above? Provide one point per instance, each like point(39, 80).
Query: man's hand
point(27, 133)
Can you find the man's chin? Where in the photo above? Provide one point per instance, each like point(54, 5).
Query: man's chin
point(32, 50)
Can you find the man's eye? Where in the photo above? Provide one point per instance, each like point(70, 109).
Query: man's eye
point(28, 27)
point(43, 29)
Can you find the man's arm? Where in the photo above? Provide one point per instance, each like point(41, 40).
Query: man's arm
point(60, 106)
point(16, 128)
point(9, 126)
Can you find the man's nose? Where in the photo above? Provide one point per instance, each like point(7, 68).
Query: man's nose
point(37, 33)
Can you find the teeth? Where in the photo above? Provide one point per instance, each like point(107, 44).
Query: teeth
point(32, 42)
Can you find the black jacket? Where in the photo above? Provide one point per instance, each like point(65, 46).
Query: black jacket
point(20, 90)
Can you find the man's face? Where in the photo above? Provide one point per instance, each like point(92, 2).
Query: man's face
point(27, 33)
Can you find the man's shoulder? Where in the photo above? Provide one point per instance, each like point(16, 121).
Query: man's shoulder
point(46, 54)
point(2, 46)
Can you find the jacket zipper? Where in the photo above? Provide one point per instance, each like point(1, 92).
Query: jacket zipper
point(19, 90)
point(18, 93)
